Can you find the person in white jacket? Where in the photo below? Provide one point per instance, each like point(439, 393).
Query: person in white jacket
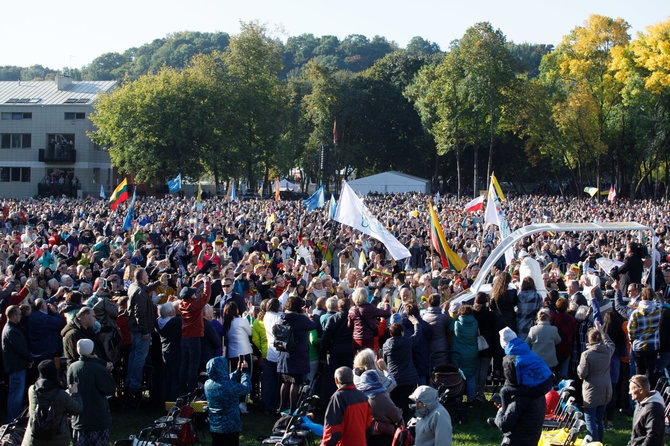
point(237, 331)
point(433, 426)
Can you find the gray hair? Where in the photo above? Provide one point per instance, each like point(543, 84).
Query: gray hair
point(344, 376)
point(360, 296)
point(166, 309)
point(331, 304)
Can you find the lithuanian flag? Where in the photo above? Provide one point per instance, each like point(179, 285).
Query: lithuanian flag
point(449, 257)
point(119, 195)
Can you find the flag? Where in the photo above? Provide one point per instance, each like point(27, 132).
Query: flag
point(494, 215)
point(352, 212)
point(497, 186)
point(277, 189)
point(547, 267)
point(475, 205)
point(612, 195)
point(175, 185)
point(449, 258)
point(376, 272)
point(317, 200)
point(437, 198)
point(269, 221)
point(119, 195)
point(335, 132)
point(233, 195)
point(591, 190)
point(102, 192)
point(128, 222)
point(333, 207)
point(199, 192)
point(362, 261)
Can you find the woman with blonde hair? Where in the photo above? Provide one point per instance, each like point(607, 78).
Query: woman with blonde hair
point(367, 360)
point(363, 320)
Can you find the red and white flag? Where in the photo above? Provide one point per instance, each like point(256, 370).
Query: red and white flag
point(475, 205)
point(612, 195)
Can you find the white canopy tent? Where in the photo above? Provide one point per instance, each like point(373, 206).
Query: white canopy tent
point(286, 185)
point(390, 182)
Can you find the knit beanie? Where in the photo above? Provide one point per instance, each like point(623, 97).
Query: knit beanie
point(85, 347)
point(506, 335)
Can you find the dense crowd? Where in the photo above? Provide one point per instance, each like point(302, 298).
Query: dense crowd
point(202, 287)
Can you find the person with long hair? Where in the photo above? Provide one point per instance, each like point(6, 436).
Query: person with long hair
point(612, 325)
point(485, 322)
point(529, 304)
point(294, 366)
point(466, 353)
point(237, 332)
point(503, 302)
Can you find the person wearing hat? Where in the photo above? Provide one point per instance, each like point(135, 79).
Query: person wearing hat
point(95, 383)
point(193, 300)
point(433, 425)
point(47, 391)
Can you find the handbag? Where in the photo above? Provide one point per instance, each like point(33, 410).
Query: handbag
point(481, 342)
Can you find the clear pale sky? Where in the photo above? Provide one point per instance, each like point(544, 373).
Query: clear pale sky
point(72, 33)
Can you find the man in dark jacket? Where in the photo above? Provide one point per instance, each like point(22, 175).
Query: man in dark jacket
point(44, 327)
point(348, 414)
point(95, 383)
point(336, 346)
point(80, 327)
point(141, 321)
point(631, 270)
point(16, 358)
point(169, 329)
point(648, 420)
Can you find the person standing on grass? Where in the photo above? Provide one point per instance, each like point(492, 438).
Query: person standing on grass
point(649, 419)
point(223, 391)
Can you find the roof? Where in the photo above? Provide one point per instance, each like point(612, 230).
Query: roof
point(395, 176)
point(47, 92)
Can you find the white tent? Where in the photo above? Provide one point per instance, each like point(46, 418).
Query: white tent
point(286, 185)
point(390, 182)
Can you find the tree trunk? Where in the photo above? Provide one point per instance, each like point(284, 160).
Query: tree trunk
point(598, 177)
point(488, 168)
point(458, 172)
point(475, 149)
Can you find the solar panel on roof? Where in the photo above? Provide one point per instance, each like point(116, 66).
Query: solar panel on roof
point(23, 100)
point(12, 101)
point(71, 101)
point(82, 101)
point(35, 100)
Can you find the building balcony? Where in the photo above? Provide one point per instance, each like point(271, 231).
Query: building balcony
point(57, 189)
point(57, 155)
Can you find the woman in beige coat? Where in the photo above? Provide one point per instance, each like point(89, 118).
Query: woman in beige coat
point(594, 369)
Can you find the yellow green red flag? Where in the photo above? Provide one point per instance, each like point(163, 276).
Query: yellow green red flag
point(449, 258)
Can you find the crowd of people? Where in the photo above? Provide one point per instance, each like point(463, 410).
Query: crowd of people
point(281, 297)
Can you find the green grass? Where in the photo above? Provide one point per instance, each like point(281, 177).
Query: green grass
point(474, 432)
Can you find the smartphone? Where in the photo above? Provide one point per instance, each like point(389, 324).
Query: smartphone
point(380, 353)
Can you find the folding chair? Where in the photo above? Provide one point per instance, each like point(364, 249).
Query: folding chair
point(562, 420)
point(574, 432)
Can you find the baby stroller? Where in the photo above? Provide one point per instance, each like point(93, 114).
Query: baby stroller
point(450, 385)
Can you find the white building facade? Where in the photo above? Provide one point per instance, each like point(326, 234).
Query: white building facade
point(44, 146)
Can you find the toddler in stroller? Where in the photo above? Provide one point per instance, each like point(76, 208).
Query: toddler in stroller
point(450, 385)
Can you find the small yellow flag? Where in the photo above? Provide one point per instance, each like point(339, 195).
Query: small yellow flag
point(497, 186)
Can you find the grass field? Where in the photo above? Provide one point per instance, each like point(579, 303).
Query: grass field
point(474, 432)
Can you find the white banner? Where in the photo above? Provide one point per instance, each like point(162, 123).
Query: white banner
point(352, 212)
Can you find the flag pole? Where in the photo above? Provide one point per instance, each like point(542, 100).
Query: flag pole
point(430, 232)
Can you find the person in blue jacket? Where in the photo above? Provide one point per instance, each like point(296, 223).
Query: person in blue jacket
point(223, 391)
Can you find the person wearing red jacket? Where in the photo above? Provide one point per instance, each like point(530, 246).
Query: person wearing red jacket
point(193, 300)
point(348, 414)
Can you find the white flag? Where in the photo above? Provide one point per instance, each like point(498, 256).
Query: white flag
point(352, 212)
point(494, 215)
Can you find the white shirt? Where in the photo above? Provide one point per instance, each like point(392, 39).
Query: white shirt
point(270, 320)
point(238, 338)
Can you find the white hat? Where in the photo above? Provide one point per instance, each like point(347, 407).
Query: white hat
point(523, 254)
point(506, 335)
point(454, 306)
point(84, 347)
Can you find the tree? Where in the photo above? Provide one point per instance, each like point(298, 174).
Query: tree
point(419, 46)
point(579, 71)
point(488, 68)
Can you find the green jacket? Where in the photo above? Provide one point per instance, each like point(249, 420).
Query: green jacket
point(95, 384)
point(64, 404)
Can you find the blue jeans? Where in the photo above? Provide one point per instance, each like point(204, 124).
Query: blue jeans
point(270, 386)
point(470, 388)
point(594, 417)
point(190, 360)
point(17, 384)
point(139, 349)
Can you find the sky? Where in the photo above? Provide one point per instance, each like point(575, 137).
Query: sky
point(73, 33)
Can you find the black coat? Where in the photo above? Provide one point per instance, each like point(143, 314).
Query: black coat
point(521, 420)
point(630, 272)
point(15, 352)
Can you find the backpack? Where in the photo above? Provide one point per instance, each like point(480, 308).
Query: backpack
point(45, 424)
point(283, 334)
point(402, 437)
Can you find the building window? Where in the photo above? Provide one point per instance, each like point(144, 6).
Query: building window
point(8, 116)
point(60, 141)
point(16, 174)
point(71, 116)
point(96, 175)
point(15, 140)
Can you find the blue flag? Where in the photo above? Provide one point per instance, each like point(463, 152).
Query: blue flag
point(102, 192)
point(317, 200)
point(233, 195)
point(333, 207)
point(128, 222)
point(175, 184)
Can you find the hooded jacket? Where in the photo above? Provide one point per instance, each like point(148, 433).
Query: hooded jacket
point(45, 391)
point(223, 392)
point(465, 330)
point(531, 370)
point(95, 384)
point(383, 409)
point(434, 428)
point(648, 422)
point(594, 370)
point(643, 327)
point(347, 418)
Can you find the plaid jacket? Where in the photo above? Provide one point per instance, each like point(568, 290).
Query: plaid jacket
point(643, 327)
